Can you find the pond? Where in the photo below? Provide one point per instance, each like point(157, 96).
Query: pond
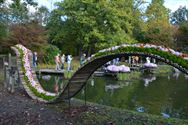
point(164, 95)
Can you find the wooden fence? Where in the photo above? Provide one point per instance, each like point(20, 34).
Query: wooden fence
point(9, 73)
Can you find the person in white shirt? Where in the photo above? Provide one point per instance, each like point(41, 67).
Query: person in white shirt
point(69, 60)
point(62, 61)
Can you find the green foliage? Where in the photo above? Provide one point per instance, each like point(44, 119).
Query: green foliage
point(181, 36)
point(180, 15)
point(157, 29)
point(18, 25)
point(48, 53)
point(68, 74)
point(90, 25)
point(18, 11)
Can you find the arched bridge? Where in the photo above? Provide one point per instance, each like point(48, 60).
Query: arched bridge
point(81, 76)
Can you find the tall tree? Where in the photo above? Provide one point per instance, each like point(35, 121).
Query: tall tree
point(180, 15)
point(42, 15)
point(158, 26)
point(138, 21)
point(181, 36)
point(16, 26)
point(93, 24)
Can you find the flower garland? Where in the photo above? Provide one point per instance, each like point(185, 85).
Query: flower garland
point(140, 45)
point(28, 72)
point(176, 57)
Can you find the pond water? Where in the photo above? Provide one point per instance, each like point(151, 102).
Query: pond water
point(164, 95)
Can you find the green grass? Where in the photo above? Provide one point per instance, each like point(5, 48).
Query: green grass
point(1, 75)
point(163, 70)
point(68, 74)
point(129, 76)
point(103, 114)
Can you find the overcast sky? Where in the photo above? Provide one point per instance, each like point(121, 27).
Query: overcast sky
point(171, 4)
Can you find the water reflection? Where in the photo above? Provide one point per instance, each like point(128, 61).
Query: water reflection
point(186, 77)
point(148, 80)
point(46, 77)
point(92, 82)
point(165, 115)
point(140, 109)
point(56, 86)
point(52, 83)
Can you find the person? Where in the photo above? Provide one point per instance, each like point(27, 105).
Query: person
point(82, 59)
point(57, 61)
point(35, 59)
point(69, 59)
point(62, 61)
point(135, 60)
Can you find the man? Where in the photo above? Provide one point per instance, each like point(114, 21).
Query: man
point(69, 59)
point(35, 59)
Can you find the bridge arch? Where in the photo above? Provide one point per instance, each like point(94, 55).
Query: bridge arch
point(81, 76)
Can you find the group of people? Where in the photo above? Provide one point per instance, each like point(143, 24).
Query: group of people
point(60, 61)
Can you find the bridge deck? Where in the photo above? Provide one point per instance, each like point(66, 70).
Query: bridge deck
point(50, 71)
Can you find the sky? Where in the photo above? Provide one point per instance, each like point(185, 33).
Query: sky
point(173, 5)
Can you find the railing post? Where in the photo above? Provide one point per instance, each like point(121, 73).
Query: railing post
point(69, 98)
point(5, 74)
point(9, 61)
point(8, 71)
point(85, 94)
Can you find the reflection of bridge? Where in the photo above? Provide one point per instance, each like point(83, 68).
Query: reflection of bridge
point(81, 76)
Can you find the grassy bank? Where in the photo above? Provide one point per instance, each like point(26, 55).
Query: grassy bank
point(1, 75)
point(163, 70)
point(101, 114)
point(128, 76)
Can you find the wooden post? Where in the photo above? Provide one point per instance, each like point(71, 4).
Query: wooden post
point(5, 73)
point(8, 71)
point(69, 99)
point(12, 82)
point(85, 94)
point(9, 61)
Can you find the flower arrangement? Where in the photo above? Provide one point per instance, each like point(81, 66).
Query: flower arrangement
point(34, 86)
point(176, 57)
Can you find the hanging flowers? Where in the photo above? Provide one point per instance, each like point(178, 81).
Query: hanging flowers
point(28, 71)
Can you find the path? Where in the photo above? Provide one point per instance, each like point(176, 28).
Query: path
point(18, 108)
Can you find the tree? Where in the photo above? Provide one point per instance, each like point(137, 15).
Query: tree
point(17, 27)
point(91, 24)
point(158, 26)
point(139, 25)
point(179, 15)
point(3, 20)
point(181, 36)
point(42, 15)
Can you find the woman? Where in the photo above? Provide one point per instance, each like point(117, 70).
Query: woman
point(57, 61)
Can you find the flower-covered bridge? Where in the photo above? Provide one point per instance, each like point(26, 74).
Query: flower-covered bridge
point(79, 79)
